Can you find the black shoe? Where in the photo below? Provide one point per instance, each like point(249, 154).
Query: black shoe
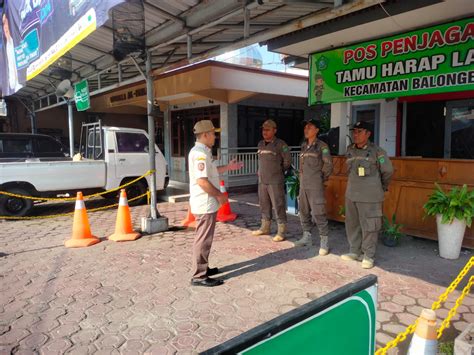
point(207, 282)
point(211, 271)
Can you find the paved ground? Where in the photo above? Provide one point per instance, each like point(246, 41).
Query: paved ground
point(135, 297)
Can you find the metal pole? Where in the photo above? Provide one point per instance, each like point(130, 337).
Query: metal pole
point(71, 127)
point(151, 134)
point(189, 46)
point(33, 122)
point(246, 22)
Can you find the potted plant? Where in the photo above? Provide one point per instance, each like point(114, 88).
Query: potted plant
point(293, 190)
point(391, 231)
point(453, 210)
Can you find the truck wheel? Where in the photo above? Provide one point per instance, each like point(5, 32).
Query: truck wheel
point(15, 206)
point(137, 189)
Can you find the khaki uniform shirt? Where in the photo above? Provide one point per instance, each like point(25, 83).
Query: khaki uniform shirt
point(273, 160)
point(370, 171)
point(315, 166)
point(201, 165)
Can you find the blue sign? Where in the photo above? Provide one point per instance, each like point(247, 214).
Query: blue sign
point(28, 50)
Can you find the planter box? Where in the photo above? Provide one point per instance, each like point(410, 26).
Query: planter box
point(450, 237)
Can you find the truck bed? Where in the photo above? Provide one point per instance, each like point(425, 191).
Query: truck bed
point(43, 175)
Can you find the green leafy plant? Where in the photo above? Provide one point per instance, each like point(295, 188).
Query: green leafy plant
point(457, 203)
point(446, 348)
point(392, 228)
point(342, 211)
point(293, 185)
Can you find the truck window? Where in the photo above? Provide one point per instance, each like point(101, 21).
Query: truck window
point(46, 145)
point(17, 145)
point(132, 142)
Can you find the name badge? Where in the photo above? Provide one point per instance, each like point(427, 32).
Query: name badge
point(361, 171)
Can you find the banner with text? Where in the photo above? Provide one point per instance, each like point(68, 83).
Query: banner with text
point(339, 323)
point(35, 33)
point(433, 60)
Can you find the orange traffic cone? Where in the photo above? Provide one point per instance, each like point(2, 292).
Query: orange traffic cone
point(123, 226)
point(225, 213)
point(190, 220)
point(81, 231)
point(424, 341)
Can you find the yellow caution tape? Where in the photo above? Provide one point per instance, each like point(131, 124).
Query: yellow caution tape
point(70, 213)
point(59, 199)
point(437, 304)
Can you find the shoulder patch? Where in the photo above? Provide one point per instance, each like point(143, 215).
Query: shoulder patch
point(285, 148)
point(201, 157)
point(381, 159)
point(325, 150)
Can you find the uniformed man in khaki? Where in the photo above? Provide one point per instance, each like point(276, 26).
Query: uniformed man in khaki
point(370, 172)
point(273, 160)
point(205, 198)
point(315, 169)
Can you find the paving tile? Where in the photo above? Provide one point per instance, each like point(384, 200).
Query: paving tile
point(391, 307)
point(34, 341)
point(85, 336)
point(393, 328)
point(403, 300)
point(137, 299)
point(110, 341)
point(383, 316)
point(58, 346)
point(13, 336)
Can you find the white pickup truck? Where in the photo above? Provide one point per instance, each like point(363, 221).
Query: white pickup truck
point(111, 157)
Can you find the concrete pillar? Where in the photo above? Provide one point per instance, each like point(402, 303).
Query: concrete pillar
point(388, 126)
point(224, 110)
point(340, 117)
point(233, 124)
point(224, 125)
point(167, 137)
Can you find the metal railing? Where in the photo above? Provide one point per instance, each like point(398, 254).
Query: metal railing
point(249, 157)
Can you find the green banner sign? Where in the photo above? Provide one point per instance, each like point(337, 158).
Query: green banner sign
point(81, 96)
point(339, 323)
point(434, 60)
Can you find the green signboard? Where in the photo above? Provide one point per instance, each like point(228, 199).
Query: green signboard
point(81, 96)
point(434, 60)
point(339, 323)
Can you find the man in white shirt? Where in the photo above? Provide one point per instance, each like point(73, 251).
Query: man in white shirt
point(13, 83)
point(205, 199)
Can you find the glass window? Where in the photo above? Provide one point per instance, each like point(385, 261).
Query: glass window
point(97, 142)
point(368, 113)
point(17, 145)
point(462, 132)
point(425, 126)
point(251, 118)
point(132, 142)
point(46, 145)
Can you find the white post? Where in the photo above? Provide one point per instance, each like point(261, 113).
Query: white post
point(151, 134)
point(71, 127)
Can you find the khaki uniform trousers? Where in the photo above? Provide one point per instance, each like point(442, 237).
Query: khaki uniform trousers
point(363, 224)
point(311, 209)
point(272, 195)
point(206, 225)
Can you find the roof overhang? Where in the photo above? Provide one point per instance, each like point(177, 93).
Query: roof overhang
point(209, 80)
point(180, 33)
